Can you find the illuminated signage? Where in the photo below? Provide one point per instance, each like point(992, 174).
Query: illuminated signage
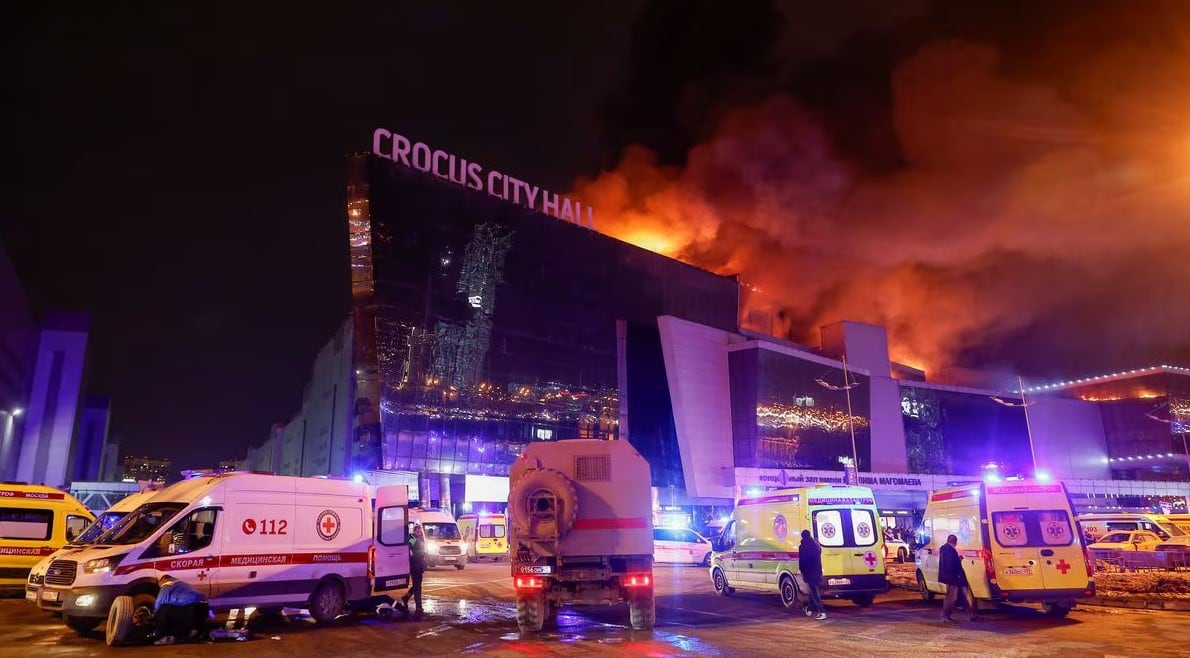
point(450, 167)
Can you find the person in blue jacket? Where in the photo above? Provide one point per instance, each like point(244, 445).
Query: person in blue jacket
point(180, 611)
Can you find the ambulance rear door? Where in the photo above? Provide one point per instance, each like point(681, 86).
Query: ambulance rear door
point(390, 558)
point(1033, 538)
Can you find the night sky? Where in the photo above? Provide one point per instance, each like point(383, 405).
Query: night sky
point(178, 171)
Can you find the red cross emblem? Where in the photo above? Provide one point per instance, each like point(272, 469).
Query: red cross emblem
point(328, 525)
point(1062, 566)
point(870, 559)
point(202, 575)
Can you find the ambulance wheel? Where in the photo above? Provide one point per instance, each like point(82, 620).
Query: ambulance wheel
point(327, 601)
point(1057, 609)
point(642, 611)
point(129, 619)
point(530, 612)
point(82, 624)
point(788, 592)
point(721, 586)
point(926, 594)
point(460, 567)
point(863, 600)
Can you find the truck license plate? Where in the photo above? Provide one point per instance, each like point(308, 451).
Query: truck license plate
point(49, 595)
point(1018, 571)
point(532, 568)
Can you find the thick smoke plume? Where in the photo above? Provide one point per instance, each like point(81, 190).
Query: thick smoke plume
point(1039, 220)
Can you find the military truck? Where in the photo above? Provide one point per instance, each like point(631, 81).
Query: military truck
point(581, 530)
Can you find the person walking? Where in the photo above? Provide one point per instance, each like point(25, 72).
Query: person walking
point(950, 573)
point(809, 562)
point(417, 568)
point(180, 611)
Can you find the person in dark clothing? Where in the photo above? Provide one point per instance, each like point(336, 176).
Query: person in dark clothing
point(417, 568)
point(951, 574)
point(180, 612)
point(809, 562)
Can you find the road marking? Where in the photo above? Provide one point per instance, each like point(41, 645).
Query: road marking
point(453, 585)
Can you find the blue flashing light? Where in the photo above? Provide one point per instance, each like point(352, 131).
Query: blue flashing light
point(991, 477)
point(466, 507)
point(724, 519)
point(1041, 476)
point(357, 477)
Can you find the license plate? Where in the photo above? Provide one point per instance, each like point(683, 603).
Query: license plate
point(529, 568)
point(31, 595)
point(449, 559)
point(1018, 571)
point(49, 595)
point(838, 581)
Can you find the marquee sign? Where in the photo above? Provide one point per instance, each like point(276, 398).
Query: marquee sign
point(450, 167)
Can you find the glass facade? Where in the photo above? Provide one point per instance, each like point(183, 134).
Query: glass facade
point(792, 413)
point(1146, 421)
point(952, 432)
point(482, 326)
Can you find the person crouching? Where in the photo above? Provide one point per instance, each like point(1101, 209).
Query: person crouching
point(180, 611)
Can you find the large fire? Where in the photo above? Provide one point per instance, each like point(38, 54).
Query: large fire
point(1023, 214)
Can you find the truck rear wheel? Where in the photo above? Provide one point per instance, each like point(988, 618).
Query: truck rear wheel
point(530, 612)
point(642, 612)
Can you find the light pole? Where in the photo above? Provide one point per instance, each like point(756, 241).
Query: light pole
point(1024, 405)
point(848, 384)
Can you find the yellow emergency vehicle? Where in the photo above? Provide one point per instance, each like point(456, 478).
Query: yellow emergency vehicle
point(486, 535)
point(1018, 541)
point(35, 521)
point(758, 549)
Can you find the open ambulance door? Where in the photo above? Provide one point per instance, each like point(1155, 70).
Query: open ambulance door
point(390, 548)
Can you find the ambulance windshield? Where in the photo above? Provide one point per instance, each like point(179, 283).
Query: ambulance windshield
point(139, 525)
point(100, 526)
point(441, 531)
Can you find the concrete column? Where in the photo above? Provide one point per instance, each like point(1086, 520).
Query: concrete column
point(444, 493)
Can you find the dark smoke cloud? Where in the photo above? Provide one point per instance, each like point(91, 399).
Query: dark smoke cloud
point(994, 196)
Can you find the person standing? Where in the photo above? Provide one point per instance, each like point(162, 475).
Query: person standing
point(417, 568)
point(951, 574)
point(180, 611)
point(809, 562)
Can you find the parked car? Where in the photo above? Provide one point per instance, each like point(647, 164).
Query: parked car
point(895, 549)
point(1139, 540)
point(680, 545)
point(1176, 552)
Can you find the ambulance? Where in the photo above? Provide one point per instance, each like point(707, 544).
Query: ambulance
point(486, 535)
point(758, 549)
point(1018, 540)
point(1098, 525)
point(445, 544)
point(245, 541)
point(101, 525)
point(35, 521)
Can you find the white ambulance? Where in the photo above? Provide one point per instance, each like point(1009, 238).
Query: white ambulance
point(445, 544)
point(1018, 541)
point(1097, 525)
point(101, 525)
point(758, 549)
point(245, 540)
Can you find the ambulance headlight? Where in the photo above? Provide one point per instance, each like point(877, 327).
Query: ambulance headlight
point(464, 547)
point(103, 564)
point(85, 601)
point(431, 547)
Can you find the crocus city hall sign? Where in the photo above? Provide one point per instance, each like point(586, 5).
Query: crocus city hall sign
point(448, 166)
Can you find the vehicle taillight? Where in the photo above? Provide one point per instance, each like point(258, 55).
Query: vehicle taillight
point(529, 582)
point(636, 580)
point(1090, 562)
point(989, 567)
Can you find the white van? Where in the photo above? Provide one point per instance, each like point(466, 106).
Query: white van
point(1098, 525)
point(444, 541)
point(1018, 542)
point(245, 540)
point(101, 525)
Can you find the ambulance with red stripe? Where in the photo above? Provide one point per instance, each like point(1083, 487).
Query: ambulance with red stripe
point(1018, 540)
point(35, 521)
point(244, 540)
point(758, 549)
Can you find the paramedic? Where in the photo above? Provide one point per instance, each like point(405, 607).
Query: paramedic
point(180, 611)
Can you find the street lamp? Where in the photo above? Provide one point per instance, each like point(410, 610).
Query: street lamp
point(1024, 405)
point(1176, 425)
point(848, 384)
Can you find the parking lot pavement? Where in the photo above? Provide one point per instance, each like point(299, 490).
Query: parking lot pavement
point(471, 612)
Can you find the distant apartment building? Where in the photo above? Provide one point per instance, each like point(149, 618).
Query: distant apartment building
point(137, 469)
